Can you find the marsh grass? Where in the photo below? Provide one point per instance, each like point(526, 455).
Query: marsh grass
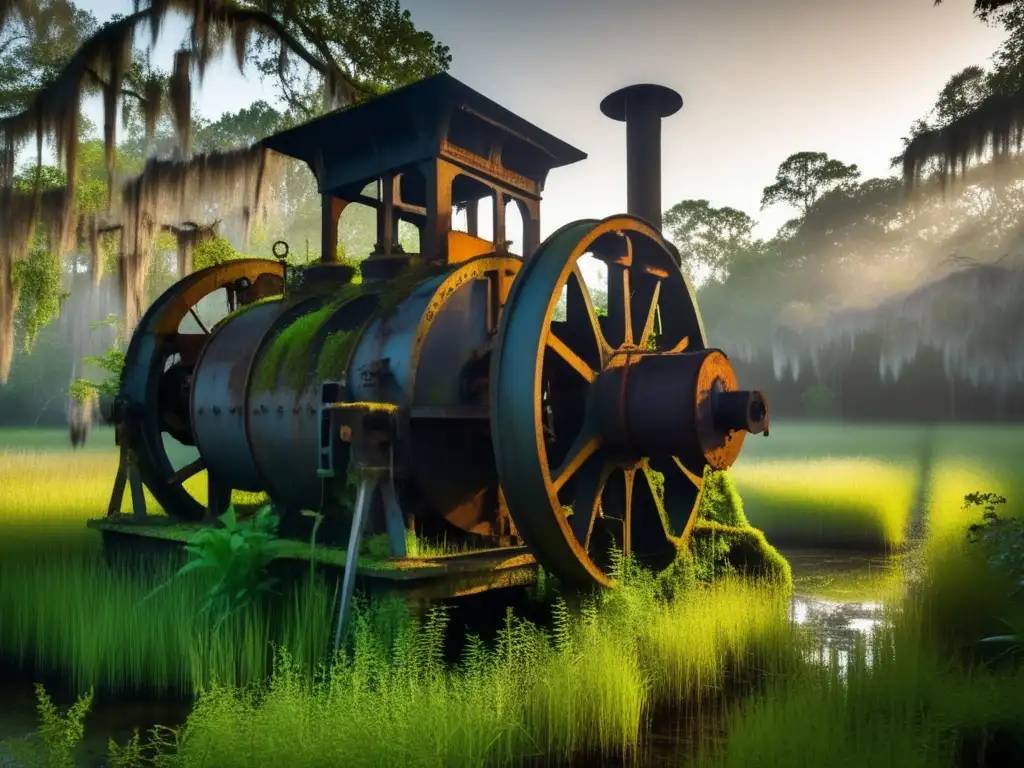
point(918, 691)
point(587, 686)
point(74, 614)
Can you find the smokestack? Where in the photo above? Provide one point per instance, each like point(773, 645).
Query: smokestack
point(642, 108)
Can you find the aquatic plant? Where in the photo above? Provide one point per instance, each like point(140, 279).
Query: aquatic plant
point(52, 745)
point(237, 553)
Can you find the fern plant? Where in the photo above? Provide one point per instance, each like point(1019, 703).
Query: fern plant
point(237, 554)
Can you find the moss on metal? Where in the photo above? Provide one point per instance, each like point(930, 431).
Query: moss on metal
point(335, 353)
point(287, 359)
point(404, 283)
point(723, 541)
point(372, 407)
point(246, 307)
point(722, 549)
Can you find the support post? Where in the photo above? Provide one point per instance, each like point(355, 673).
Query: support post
point(121, 478)
point(360, 517)
point(218, 497)
point(135, 485)
point(393, 517)
point(330, 211)
point(370, 433)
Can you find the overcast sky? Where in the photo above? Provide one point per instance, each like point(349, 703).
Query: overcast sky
point(761, 79)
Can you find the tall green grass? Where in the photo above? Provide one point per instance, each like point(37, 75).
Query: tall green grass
point(587, 686)
point(919, 691)
point(76, 615)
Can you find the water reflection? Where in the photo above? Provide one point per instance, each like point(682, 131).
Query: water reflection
point(836, 624)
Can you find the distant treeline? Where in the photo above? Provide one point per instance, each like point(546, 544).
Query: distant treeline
point(853, 390)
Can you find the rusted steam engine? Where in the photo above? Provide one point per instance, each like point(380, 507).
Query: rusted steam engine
point(449, 385)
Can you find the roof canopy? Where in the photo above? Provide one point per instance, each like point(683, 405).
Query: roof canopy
point(438, 116)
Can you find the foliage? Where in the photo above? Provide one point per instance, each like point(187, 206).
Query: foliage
point(38, 279)
point(57, 735)
point(111, 361)
point(237, 553)
point(1001, 537)
point(212, 251)
point(34, 47)
point(804, 177)
point(708, 238)
point(373, 45)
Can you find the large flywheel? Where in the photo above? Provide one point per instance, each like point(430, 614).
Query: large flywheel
point(602, 425)
point(156, 381)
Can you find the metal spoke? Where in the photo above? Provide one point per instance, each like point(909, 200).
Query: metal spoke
point(681, 490)
point(627, 309)
point(627, 512)
point(575, 362)
point(579, 306)
point(681, 345)
point(195, 316)
point(586, 444)
point(652, 313)
point(189, 470)
point(590, 483)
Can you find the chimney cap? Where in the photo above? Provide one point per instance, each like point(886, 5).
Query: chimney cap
point(662, 99)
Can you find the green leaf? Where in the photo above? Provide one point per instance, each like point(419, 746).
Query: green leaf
point(193, 565)
point(1004, 639)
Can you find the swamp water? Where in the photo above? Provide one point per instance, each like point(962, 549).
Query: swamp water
point(837, 597)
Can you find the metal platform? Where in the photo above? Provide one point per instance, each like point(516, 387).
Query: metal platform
point(419, 579)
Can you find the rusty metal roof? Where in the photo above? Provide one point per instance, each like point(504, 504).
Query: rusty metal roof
point(360, 143)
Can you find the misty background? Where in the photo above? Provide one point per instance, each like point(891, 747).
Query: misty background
point(831, 286)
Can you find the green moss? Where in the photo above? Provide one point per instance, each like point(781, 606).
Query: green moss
point(720, 549)
point(334, 355)
point(290, 350)
point(720, 501)
point(373, 407)
point(395, 291)
point(288, 356)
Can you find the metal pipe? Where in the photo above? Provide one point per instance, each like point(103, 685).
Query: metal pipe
point(642, 108)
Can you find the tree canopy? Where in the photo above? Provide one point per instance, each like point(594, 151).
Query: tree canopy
point(318, 54)
point(940, 269)
point(980, 114)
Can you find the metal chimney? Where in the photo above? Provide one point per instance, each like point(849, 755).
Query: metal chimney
point(642, 108)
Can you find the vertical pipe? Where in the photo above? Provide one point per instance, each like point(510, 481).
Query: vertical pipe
point(642, 108)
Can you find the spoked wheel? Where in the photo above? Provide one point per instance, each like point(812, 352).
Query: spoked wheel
point(602, 426)
point(157, 376)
